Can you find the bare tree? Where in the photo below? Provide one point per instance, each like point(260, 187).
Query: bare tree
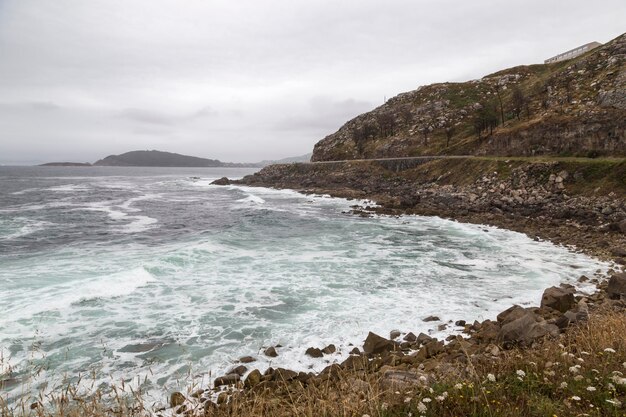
point(450, 131)
point(386, 123)
point(518, 102)
point(498, 88)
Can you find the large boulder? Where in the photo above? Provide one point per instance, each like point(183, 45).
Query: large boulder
point(314, 352)
point(375, 344)
point(559, 298)
point(617, 286)
point(271, 352)
point(230, 379)
point(512, 313)
point(253, 379)
point(526, 329)
point(429, 350)
point(176, 399)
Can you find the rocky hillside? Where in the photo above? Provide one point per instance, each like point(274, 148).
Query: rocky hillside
point(571, 108)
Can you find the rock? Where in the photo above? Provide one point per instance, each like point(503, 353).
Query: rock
point(617, 286)
point(221, 181)
point(271, 352)
point(510, 314)
point(622, 226)
point(376, 344)
point(253, 379)
point(423, 338)
point(583, 279)
point(410, 337)
point(355, 351)
point(558, 298)
point(524, 330)
point(355, 363)
point(572, 317)
point(283, 375)
point(209, 408)
point(329, 349)
point(198, 393)
point(397, 379)
point(222, 398)
point(314, 352)
point(442, 327)
point(247, 359)
point(230, 379)
point(618, 252)
point(431, 318)
point(460, 323)
point(239, 370)
point(394, 334)
point(429, 350)
point(176, 399)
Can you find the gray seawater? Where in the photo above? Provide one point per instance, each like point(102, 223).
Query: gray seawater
point(154, 273)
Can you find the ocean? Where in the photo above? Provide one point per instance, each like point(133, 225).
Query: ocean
point(153, 276)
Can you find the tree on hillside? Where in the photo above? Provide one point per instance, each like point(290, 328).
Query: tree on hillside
point(406, 113)
point(518, 102)
point(486, 118)
point(450, 131)
point(386, 123)
point(498, 88)
point(362, 134)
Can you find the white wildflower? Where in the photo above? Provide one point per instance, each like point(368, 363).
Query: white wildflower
point(617, 403)
point(563, 385)
point(581, 360)
point(491, 377)
point(549, 373)
point(407, 400)
point(384, 406)
point(440, 398)
point(573, 369)
point(458, 386)
point(421, 407)
point(591, 388)
point(618, 380)
point(610, 387)
point(609, 350)
point(423, 378)
point(520, 373)
point(578, 378)
point(575, 398)
point(445, 394)
point(431, 390)
point(426, 400)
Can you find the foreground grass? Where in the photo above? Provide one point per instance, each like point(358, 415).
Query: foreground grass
point(583, 373)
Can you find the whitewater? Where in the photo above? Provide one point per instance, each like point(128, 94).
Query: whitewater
point(154, 275)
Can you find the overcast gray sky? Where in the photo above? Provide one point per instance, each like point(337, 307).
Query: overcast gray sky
point(246, 80)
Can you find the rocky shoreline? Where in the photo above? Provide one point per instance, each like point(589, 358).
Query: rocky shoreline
point(542, 209)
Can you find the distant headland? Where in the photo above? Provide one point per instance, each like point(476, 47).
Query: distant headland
point(155, 158)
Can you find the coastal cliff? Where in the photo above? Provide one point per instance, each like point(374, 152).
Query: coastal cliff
point(570, 108)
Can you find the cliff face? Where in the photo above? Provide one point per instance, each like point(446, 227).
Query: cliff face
point(575, 107)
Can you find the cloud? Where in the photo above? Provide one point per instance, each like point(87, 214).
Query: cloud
point(251, 79)
point(146, 116)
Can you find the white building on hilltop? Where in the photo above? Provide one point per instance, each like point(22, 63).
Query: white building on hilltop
point(573, 53)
